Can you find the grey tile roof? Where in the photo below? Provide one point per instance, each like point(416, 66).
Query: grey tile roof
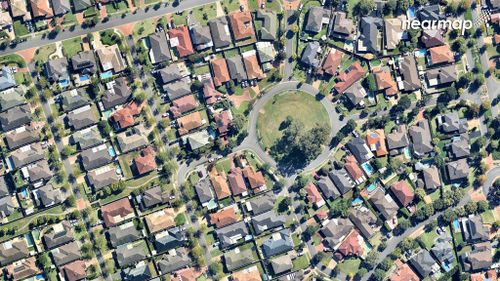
point(262, 204)
point(82, 117)
point(356, 93)
point(6, 206)
point(269, 29)
point(314, 19)
point(88, 137)
point(397, 138)
point(384, 203)
point(96, 157)
point(57, 70)
point(408, 69)
point(236, 68)
point(443, 249)
point(11, 98)
point(159, 52)
point(443, 75)
point(460, 147)
point(204, 190)
point(335, 231)
point(220, 31)
point(129, 254)
point(365, 221)
point(429, 12)
point(102, 177)
point(266, 221)
point(80, 5)
point(310, 55)
point(480, 258)
point(154, 196)
point(58, 235)
point(343, 27)
point(84, 62)
point(22, 136)
point(15, 117)
point(371, 35)
point(169, 239)
point(431, 178)
point(341, 180)
point(451, 123)
point(229, 235)
point(423, 263)
point(123, 234)
point(132, 139)
point(172, 72)
point(281, 264)
point(4, 187)
point(47, 195)
point(137, 273)
point(73, 99)
point(169, 263)
point(359, 149)
point(201, 37)
point(177, 89)
point(327, 187)
point(476, 230)
point(66, 253)
point(420, 135)
point(26, 155)
point(278, 243)
point(11, 251)
point(39, 171)
point(118, 93)
point(237, 258)
point(432, 38)
point(6, 79)
point(458, 169)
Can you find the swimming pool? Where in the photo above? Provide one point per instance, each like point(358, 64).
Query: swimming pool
point(411, 12)
point(356, 201)
point(64, 83)
point(84, 78)
point(421, 53)
point(24, 193)
point(367, 168)
point(456, 225)
point(107, 74)
point(371, 187)
point(111, 151)
point(407, 153)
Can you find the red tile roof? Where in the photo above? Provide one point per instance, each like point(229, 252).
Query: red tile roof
point(236, 181)
point(256, 179)
point(349, 77)
point(353, 169)
point(252, 66)
point(441, 54)
point(386, 82)
point(180, 40)
point(120, 208)
point(403, 272)
point(221, 73)
point(313, 194)
point(223, 120)
point(220, 185)
point(241, 25)
point(332, 62)
point(75, 271)
point(352, 245)
point(189, 122)
point(403, 192)
point(376, 141)
point(41, 8)
point(210, 94)
point(147, 162)
point(125, 117)
point(223, 217)
point(182, 105)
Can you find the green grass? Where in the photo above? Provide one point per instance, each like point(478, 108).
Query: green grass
point(144, 28)
point(124, 161)
point(223, 165)
point(205, 13)
point(301, 106)
point(179, 19)
point(117, 7)
point(488, 217)
point(69, 18)
point(13, 59)
point(428, 238)
point(349, 266)
point(72, 47)
point(230, 5)
point(20, 29)
point(301, 262)
point(43, 53)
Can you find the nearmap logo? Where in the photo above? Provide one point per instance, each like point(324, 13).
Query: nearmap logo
point(437, 24)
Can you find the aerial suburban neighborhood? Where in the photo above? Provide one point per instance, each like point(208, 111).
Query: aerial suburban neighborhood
point(250, 140)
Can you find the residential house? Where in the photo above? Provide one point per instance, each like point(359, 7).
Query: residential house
point(15, 117)
point(353, 169)
point(248, 274)
point(450, 123)
point(82, 117)
point(397, 140)
point(335, 231)
point(13, 250)
point(220, 71)
point(19, 8)
point(346, 79)
point(421, 138)
point(431, 178)
point(331, 62)
point(146, 162)
point(424, 264)
point(88, 137)
point(341, 180)
point(4, 187)
point(231, 234)
point(39, 171)
point(159, 51)
point(236, 182)
point(178, 88)
point(223, 122)
point(408, 69)
point(180, 41)
point(403, 272)
point(360, 150)
point(41, 9)
point(102, 177)
point(205, 192)
point(132, 139)
point(117, 92)
point(269, 29)
point(443, 250)
point(476, 231)
point(384, 204)
point(84, 62)
point(111, 58)
point(267, 221)
point(66, 253)
point(429, 12)
point(123, 234)
point(197, 140)
point(316, 18)
point(210, 94)
point(313, 195)
point(74, 271)
point(224, 217)
point(236, 69)
point(6, 206)
point(221, 187)
point(343, 27)
point(174, 261)
point(394, 32)
point(386, 83)
point(124, 117)
point(130, 254)
point(47, 196)
point(169, 239)
point(201, 36)
point(328, 189)
point(441, 76)
point(190, 122)
point(261, 204)
point(267, 54)
point(160, 220)
point(403, 192)
point(460, 147)
point(80, 5)
point(7, 80)
point(241, 25)
point(22, 136)
point(73, 99)
point(281, 264)
point(26, 155)
point(11, 98)
point(56, 70)
point(458, 170)
point(352, 246)
point(356, 94)
point(221, 36)
point(58, 234)
point(479, 258)
point(364, 220)
point(311, 54)
point(255, 179)
point(22, 269)
point(117, 212)
point(252, 65)
point(237, 258)
point(278, 243)
point(440, 55)
point(96, 157)
point(174, 72)
point(432, 38)
point(370, 39)
point(153, 197)
point(376, 142)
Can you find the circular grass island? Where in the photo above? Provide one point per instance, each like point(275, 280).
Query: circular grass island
point(275, 116)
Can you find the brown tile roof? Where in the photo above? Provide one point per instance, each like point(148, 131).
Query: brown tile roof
point(220, 185)
point(236, 181)
point(160, 220)
point(332, 62)
point(210, 94)
point(313, 194)
point(256, 179)
point(220, 71)
point(252, 66)
point(247, 274)
point(441, 54)
point(403, 192)
point(223, 120)
point(182, 105)
point(376, 141)
point(349, 77)
point(146, 162)
point(115, 212)
point(241, 25)
point(41, 8)
point(403, 272)
point(352, 245)
point(75, 271)
point(190, 122)
point(224, 217)
point(352, 167)
point(125, 117)
point(180, 40)
point(22, 269)
point(386, 82)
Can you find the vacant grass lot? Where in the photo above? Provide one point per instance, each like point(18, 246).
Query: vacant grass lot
point(301, 106)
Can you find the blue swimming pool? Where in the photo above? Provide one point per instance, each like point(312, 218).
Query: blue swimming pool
point(39, 277)
point(84, 78)
point(367, 168)
point(407, 153)
point(24, 193)
point(64, 83)
point(421, 53)
point(111, 151)
point(356, 201)
point(411, 12)
point(371, 187)
point(107, 74)
point(456, 225)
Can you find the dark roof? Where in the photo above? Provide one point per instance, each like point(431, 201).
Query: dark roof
point(48, 195)
point(4, 187)
point(443, 75)
point(359, 149)
point(370, 37)
point(355, 93)
point(480, 258)
point(118, 92)
point(237, 258)
point(476, 229)
point(84, 62)
point(408, 69)
point(169, 239)
point(341, 180)
point(73, 99)
point(82, 117)
point(314, 21)
point(177, 89)
point(458, 169)
point(269, 27)
point(310, 55)
point(266, 221)
point(221, 34)
point(429, 12)
point(204, 190)
point(202, 39)
point(443, 249)
point(80, 5)
point(278, 243)
point(335, 230)
point(327, 187)
point(262, 204)
point(96, 157)
point(88, 137)
point(172, 72)
point(364, 220)
point(169, 263)
point(57, 70)
point(102, 177)
point(140, 272)
point(22, 136)
point(421, 137)
point(154, 196)
point(123, 234)
point(27, 155)
point(236, 68)
point(227, 234)
point(39, 171)
point(15, 117)
point(397, 138)
point(452, 123)
point(13, 250)
point(129, 254)
point(159, 50)
point(66, 254)
point(460, 147)
point(423, 262)
point(384, 203)
point(58, 234)
point(6, 206)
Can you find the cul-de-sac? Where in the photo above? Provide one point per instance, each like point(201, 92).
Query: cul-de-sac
point(250, 140)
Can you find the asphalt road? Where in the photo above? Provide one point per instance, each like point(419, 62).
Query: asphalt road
point(140, 15)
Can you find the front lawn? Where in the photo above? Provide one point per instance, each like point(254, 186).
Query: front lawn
point(20, 28)
point(72, 47)
point(349, 266)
